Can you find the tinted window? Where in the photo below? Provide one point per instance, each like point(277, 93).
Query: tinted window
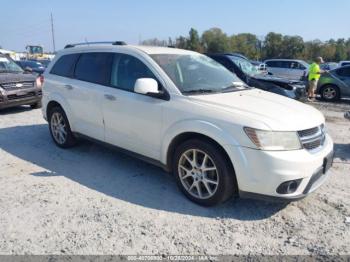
point(274, 64)
point(126, 70)
point(285, 64)
point(94, 68)
point(64, 66)
point(296, 65)
point(345, 71)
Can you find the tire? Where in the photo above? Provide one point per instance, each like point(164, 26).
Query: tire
point(58, 121)
point(191, 178)
point(36, 105)
point(330, 93)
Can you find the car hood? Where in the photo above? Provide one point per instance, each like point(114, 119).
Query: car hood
point(273, 111)
point(14, 77)
point(274, 79)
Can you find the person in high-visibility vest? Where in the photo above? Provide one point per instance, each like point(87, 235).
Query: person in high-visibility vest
point(314, 75)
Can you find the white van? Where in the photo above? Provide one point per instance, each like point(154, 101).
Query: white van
point(287, 68)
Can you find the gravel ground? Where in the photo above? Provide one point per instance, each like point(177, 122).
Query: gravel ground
point(92, 200)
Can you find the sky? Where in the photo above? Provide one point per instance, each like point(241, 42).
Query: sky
point(28, 22)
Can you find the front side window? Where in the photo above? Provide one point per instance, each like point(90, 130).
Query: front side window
point(64, 65)
point(126, 70)
point(94, 68)
point(196, 73)
point(9, 66)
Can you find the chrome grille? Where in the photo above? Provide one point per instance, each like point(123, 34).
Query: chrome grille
point(17, 85)
point(312, 138)
point(14, 97)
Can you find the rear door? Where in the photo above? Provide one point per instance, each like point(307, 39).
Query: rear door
point(86, 91)
point(275, 68)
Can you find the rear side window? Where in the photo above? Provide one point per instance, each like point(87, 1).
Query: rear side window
point(126, 70)
point(272, 64)
point(65, 65)
point(94, 68)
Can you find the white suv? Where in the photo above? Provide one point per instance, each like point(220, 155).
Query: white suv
point(187, 113)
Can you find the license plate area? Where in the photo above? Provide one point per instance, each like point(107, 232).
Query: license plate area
point(328, 162)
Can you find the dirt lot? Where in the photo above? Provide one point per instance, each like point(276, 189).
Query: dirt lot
point(92, 200)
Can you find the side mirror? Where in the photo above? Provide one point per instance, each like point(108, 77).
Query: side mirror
point(146, 86)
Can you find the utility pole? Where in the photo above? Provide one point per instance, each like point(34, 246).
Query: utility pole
point(53, 35)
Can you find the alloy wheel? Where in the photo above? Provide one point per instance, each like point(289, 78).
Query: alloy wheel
point(58, 128)
point(329, 93)
point(198, 174)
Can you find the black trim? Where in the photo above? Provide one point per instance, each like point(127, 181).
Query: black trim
point(250, 195)
point(96, 43)
point(327, 163)
point(125, 151)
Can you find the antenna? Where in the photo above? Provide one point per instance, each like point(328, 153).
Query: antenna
point(53, 35)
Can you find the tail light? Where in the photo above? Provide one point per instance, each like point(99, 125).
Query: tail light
point(40, 81)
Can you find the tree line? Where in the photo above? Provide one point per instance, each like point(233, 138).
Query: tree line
point(273, 45)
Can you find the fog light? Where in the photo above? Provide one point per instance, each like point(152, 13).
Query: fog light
point(288, 187)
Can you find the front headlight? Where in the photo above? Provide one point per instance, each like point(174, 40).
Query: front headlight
point(273, 140)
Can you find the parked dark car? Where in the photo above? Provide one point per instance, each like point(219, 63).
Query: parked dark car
point(243, 68)
point(35, 66)
point(334, 84)
point(45, 62)
point(16, 86)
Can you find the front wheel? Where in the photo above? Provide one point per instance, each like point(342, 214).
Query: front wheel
point(202, 173)
point(60, 128)
point(330, 93)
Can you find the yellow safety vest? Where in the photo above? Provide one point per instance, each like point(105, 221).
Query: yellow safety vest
point(314, 72)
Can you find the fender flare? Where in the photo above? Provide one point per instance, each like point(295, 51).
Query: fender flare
point(194, 126)
point(58, 98)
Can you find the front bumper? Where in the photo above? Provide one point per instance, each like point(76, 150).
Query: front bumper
point(259, 173)
point(20, 97)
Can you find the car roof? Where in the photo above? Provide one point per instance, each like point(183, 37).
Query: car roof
point(146, 49)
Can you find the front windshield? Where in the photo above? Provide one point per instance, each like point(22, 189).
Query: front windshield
point(8, 66)
point(246, 66)
point(197, 73)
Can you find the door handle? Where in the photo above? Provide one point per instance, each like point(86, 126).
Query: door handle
point(68, 87)
point(110, 97)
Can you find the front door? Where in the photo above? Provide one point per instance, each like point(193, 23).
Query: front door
point(132, 121)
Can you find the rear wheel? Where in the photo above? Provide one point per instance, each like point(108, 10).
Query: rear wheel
point(202, 173)
point(330, 93)
point(60, 128)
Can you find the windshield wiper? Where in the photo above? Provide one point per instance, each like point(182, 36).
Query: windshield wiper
point(198, 91)
point(235, 86)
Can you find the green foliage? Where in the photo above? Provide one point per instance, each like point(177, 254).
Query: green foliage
point(273, 45)
point(215, 41)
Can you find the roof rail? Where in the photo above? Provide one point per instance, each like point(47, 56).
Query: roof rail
point(96, 43)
